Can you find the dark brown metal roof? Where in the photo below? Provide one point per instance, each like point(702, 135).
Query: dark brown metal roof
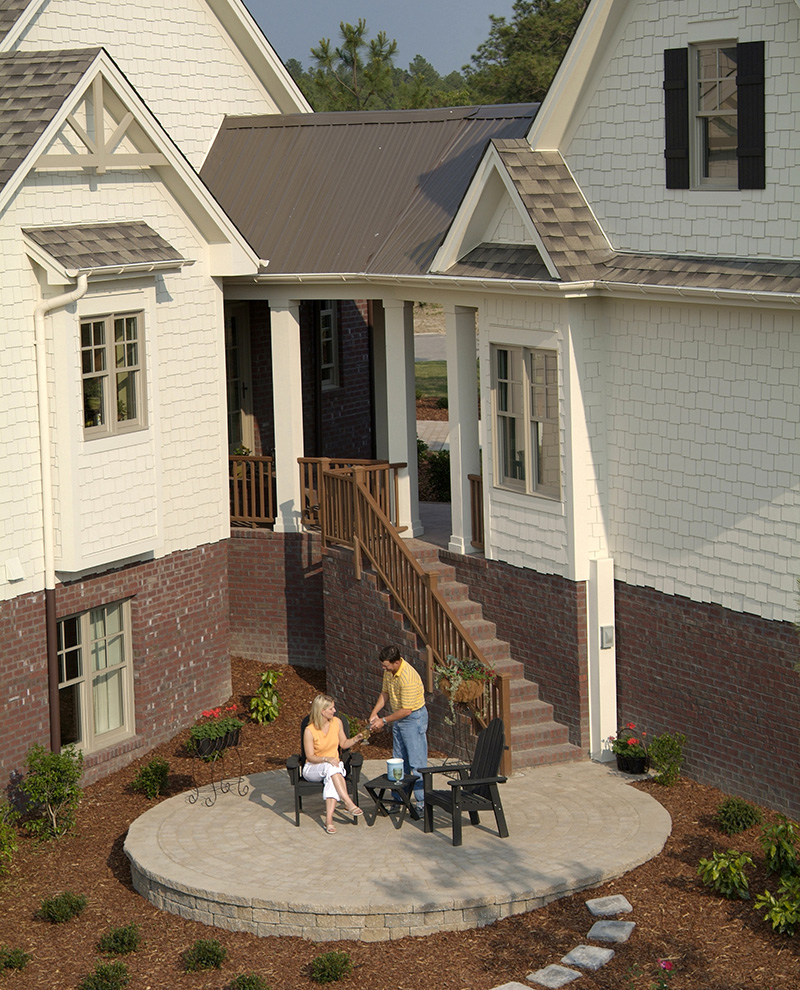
point(352, 192)
point(104, 245)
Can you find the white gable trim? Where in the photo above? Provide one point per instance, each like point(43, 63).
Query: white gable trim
point(582, 59)
point(470, 224)
point(9, 42)
point(229, 252)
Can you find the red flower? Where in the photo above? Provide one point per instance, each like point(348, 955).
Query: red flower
point(666, 964)
point(633, 742)
point(631, 725)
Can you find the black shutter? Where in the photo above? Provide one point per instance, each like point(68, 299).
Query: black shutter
point(676, 109)
point(750, 92)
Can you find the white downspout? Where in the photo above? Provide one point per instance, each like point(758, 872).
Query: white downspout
point(43, 401)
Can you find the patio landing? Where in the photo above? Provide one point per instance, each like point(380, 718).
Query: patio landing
point(244, 866)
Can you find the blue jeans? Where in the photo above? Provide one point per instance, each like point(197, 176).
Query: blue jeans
point(410, 744)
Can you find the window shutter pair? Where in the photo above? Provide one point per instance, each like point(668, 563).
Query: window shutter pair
point(750, 123)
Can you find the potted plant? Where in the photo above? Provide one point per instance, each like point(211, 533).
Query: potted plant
point(462, 680)
point(629, 747)
point(216, 730)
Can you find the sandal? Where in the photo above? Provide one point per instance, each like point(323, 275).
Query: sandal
point(355, 811)
point(330, 829)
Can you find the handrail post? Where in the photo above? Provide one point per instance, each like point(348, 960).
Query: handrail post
point(504, 700)
point(428, 668)
point(321, 497)
point(358, 520)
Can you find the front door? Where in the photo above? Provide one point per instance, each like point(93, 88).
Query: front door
point(239, 384)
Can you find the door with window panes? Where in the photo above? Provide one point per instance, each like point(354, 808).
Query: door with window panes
point(238, 379)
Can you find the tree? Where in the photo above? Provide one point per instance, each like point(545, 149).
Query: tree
point(356, 75)
point(519, 59)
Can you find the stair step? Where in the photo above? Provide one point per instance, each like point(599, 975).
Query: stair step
point(545, 755)
point(548, 733)
point(529, 713)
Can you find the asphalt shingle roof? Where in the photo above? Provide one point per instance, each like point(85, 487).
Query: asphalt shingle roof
point(105, 245)
point(9, 12)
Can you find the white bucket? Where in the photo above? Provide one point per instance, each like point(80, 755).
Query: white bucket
point(394, 769)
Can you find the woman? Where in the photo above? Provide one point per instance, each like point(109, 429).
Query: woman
point(323, 737)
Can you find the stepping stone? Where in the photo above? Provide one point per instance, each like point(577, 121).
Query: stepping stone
point(513, 985)
point(603, 907)
point(553, 976)
point(611, 931)
point(588, 957)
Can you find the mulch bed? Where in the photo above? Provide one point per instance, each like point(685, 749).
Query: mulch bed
point(714, 944)
point(427, 408)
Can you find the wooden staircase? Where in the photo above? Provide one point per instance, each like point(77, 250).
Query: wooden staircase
point(535, 737)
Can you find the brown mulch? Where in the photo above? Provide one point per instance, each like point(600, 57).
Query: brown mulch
point(427, 408)
point(714, 944)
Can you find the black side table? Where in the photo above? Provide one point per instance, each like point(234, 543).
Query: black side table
point(405, 788)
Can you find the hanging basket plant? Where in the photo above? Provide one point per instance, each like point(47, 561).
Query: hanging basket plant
point(461, 680)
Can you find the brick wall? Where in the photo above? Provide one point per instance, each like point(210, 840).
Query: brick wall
point(723, 678)
point(276, 601)
point(543, 617)
point(180, 631)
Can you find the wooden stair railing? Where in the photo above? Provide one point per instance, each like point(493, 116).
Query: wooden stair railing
point(351, 516)
point(251, 482)
point(380, 478)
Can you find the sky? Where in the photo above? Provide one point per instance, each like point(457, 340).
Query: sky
point(445, 32)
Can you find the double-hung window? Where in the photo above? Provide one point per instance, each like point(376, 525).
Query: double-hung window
point(112, 371)
point(328, 344)
point(526, 419)
point(95, 677)
point(714, 116)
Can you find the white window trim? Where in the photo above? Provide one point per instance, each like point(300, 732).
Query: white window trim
point(329, 308)
point(89, 740)
point(112, 426)
point(696, 142)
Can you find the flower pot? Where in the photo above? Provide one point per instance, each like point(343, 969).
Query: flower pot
point(466, 691)
point(207, 747)
point(232, 738)
point(632, 764)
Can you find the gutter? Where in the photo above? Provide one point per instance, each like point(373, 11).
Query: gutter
point(45, 446)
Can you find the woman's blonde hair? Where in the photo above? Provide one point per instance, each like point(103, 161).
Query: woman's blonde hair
point(319, 703)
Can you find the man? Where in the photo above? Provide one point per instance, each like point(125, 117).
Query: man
point(402, 692)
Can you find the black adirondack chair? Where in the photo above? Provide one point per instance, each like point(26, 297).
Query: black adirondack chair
point(294, 765)
point(475, 790)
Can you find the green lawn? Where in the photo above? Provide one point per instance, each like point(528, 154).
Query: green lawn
point(431, 378)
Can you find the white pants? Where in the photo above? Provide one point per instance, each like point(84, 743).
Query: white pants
point(324, 772)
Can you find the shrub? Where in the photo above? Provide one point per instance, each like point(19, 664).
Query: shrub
point(725, 873)
point(13, 958)
point(206, 953)
point(106, 976)
point(783, 912)
point(666, 757)
point(151, 780)
point(51, 788)
point(736, 815)
point(330, 967)
point(265, 703)
point(778, 843)
point(8, 836)
point(441, 402)
point(247, 981)
point(434, 476)
point(61, 908)
point(120, 941)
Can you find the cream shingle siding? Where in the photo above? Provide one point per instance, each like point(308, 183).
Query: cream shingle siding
point(617, 150)
point(173, 53)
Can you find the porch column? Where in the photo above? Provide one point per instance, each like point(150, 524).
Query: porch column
point(462, 401)
point(287, 401)
point(401, 432)
point(602, 658)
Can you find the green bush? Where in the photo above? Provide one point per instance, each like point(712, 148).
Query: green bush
point(441, 402)
point(434, 476)
point(778, 843)
point(206, 953)
point(61, 908)
point(736, 815)
point(13, 958)
point(783, 912)
point(247, 981)
point(106, 976)
point(264, 705)
point(120, 941)
point(330, 967)
point(725, 873)
point(151, 780)
point(8, 836)
point(51, 787)
point(666, 757)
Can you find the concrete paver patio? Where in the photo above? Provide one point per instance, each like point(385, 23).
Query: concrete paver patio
point(244, 866)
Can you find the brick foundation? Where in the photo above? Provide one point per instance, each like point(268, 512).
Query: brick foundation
point(276, 597)
point(180, 633)
point(723, 678)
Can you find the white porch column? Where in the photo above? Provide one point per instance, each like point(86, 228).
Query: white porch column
point(462, 401)
point(287, 401)
point(602, 658)
point(401, 408)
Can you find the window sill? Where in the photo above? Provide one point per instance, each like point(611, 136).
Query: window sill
point(525, 500)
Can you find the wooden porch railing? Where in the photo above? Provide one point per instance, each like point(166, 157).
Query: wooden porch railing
point(380, 478)
point(251, 482)
point(351, 516)
point(476, 509)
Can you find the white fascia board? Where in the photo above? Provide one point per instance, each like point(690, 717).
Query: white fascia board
point(455, 244)
point(178, 176)
point(259, 55)
point(552, 122)
point(9, 42)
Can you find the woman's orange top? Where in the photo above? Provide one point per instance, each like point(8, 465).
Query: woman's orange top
point(326, 744)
